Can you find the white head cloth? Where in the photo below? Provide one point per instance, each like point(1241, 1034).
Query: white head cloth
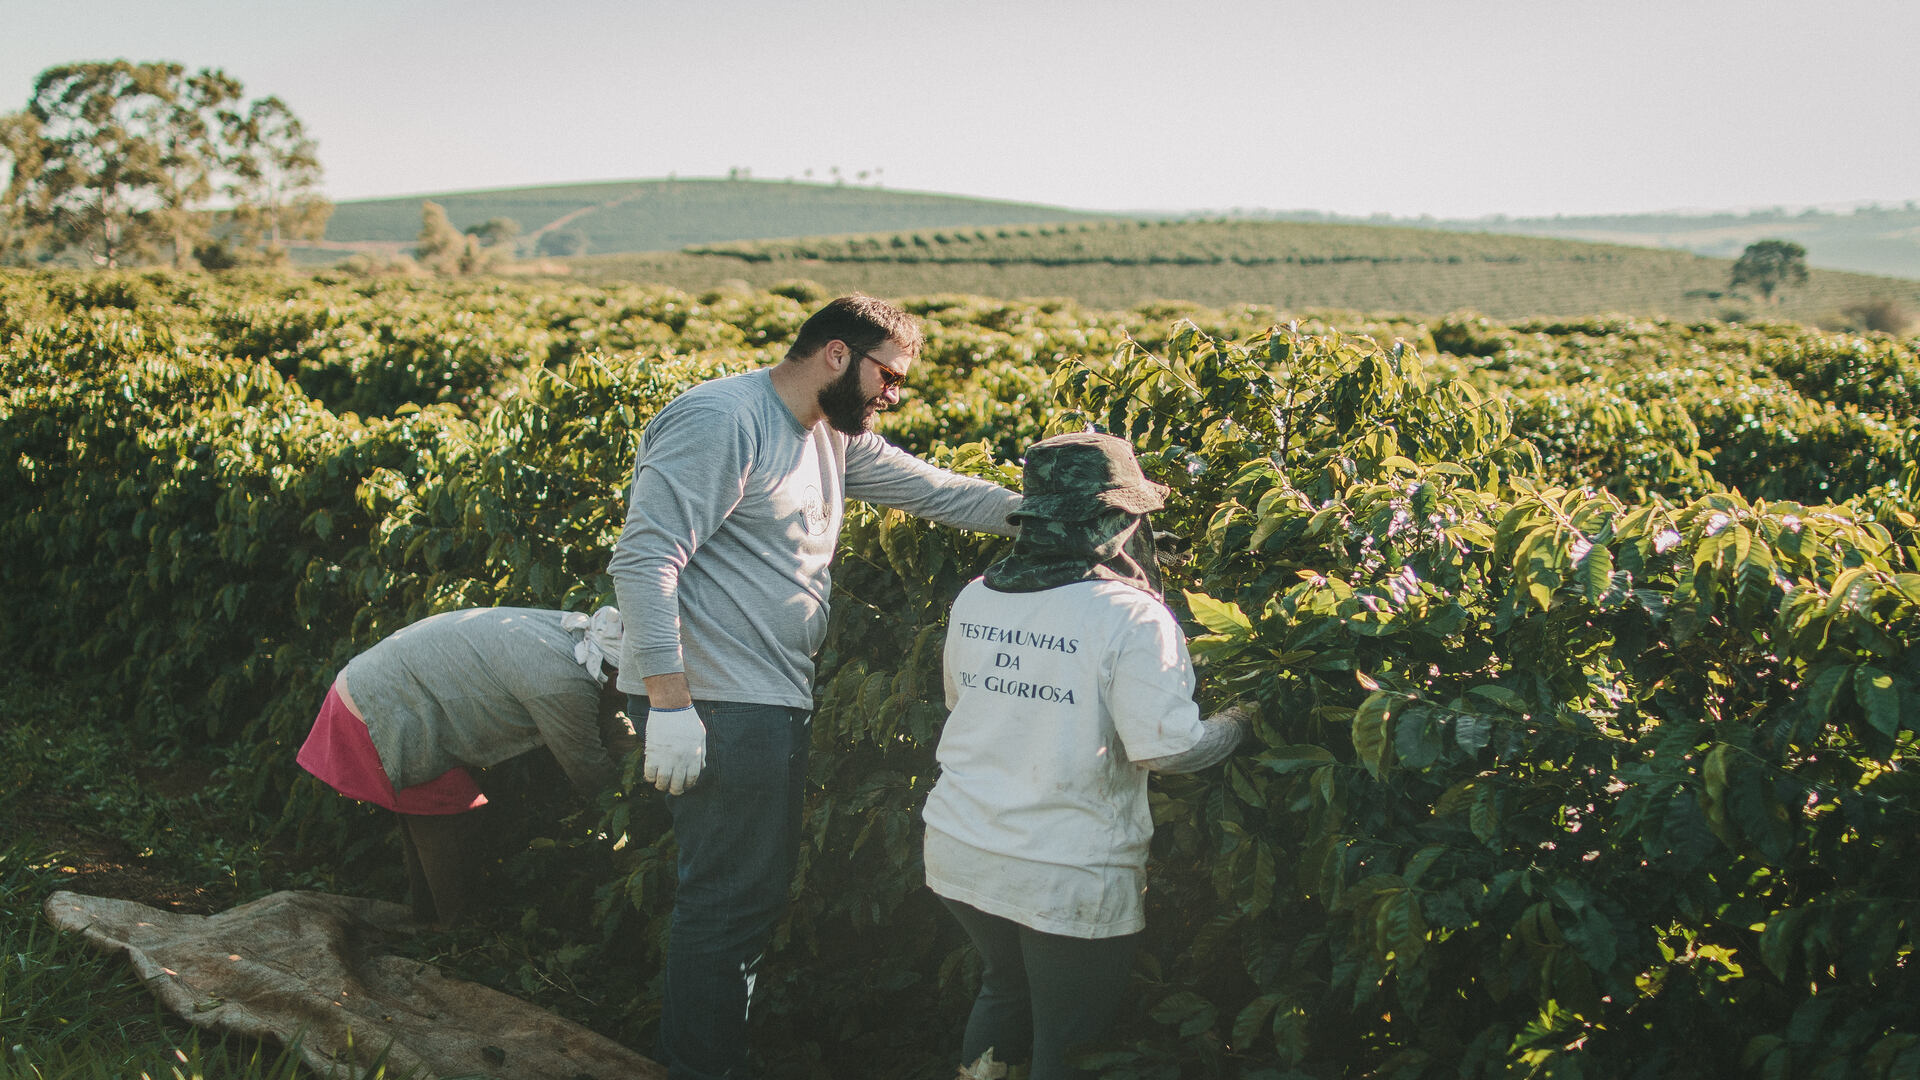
point(601, 642)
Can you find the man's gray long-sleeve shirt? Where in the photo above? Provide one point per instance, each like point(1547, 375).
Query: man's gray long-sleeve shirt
point(733, 517)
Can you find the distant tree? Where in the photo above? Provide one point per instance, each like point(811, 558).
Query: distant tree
point(498, 232)
point(122, 161)
point(273, 169)
point(99, 133)
point(562, 242)
point(126, 156)
point(440, 247)
point(1881, 313)
point(19, 162)
point(802, 290)
point(446, 250)
point(192, 156)
point(1768, 264)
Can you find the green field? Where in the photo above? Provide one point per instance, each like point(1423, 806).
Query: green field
point(706, 234)
point(1289, 266)
point(666, 215)
point(1871, 240)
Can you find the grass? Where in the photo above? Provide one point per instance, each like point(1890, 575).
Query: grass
point(175, 833)
point(67, 1012)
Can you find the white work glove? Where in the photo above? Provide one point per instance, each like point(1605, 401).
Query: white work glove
point(676, 748)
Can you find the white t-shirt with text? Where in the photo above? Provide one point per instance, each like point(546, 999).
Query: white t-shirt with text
point(1040, 815)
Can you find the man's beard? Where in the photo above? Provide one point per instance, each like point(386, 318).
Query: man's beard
point(848, 409)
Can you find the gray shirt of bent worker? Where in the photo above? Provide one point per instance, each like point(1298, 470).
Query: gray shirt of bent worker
point(735, 510)
point(476, 687)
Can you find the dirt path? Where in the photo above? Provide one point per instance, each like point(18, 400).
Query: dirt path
point(574, 215)
point(99, 865)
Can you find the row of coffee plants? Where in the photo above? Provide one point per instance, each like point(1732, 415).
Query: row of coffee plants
point(1585, 651)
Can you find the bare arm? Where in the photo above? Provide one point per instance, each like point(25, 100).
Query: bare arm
point(669, 691)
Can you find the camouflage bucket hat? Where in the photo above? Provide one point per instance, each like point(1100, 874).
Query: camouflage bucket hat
point(1078, 475)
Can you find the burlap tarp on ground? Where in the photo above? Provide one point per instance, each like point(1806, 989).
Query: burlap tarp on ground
point(302, 965)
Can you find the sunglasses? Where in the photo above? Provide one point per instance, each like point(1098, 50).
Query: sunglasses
point(889, 378)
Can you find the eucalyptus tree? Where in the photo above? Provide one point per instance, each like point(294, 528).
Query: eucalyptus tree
point(273, 168)
point(125, 162)
point(19, 160)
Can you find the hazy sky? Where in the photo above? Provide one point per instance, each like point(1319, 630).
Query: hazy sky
point(1351, 106)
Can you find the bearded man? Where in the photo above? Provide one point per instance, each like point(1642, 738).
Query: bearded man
point(722, 572)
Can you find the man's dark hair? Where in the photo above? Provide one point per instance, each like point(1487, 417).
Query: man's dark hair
point(863, 322)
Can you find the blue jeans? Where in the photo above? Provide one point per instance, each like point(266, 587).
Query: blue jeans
point(738, 831)
point(1040, 994)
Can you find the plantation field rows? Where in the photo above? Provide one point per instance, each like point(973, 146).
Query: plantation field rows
point(666, 215)
point(1290, 266)
point(1586, 650)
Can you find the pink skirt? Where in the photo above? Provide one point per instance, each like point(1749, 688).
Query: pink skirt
point(340, 752)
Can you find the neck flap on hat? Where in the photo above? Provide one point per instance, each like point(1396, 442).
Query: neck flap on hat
point(1113, 545)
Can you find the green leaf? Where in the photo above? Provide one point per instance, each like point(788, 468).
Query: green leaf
point(1484, 817)
point(1243, 785)
point(1416, 738)
point(1758, 1048)
point(1456, 798)
point(1189, 1010)
point(1879, 698)
point(1780, 938)
point(1256, 893)
point(1373, 729)
point(1824, 691)
point(1247, 1026)
point(1221, 617)
point(1595, 573)
point(1269, 524)
point(1909, 586)
point(1293, 758)
point(1540, 586)
point(1290, 1032)
point(1720, 761)
point(1398, 927)
point(1501, 696)
point(1471, 731)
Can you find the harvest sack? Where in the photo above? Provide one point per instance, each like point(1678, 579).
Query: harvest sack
point(301, 964)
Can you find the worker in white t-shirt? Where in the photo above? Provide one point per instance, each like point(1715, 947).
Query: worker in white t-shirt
point(1068, 680)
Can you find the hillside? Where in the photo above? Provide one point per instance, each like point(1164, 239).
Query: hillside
point(666, 215)
point(705, 234)
point(1290, 266)
point(1870, 240)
